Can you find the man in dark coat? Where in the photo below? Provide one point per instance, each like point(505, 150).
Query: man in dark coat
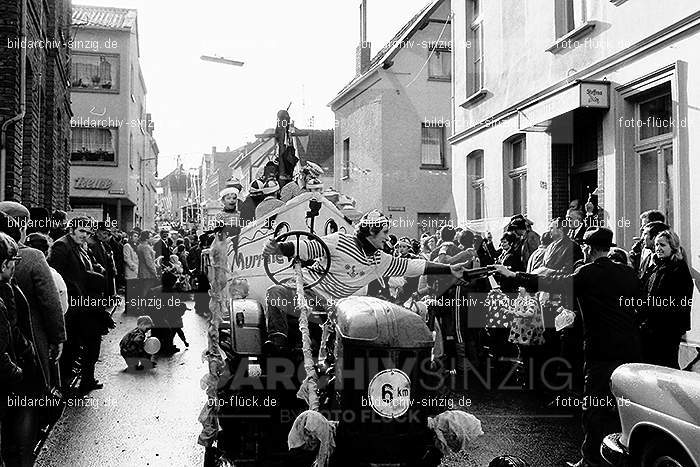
point(33, 276)
point(162, 248)
point(85, 319)
point(611, 335)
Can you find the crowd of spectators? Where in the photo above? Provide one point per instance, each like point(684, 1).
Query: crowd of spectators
point(60, 283)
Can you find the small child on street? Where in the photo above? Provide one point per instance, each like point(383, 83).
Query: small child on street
point(132, 345)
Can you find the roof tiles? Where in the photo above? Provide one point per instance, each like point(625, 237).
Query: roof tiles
point(104, 17)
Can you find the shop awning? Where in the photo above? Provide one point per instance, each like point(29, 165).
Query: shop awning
point(587, 94)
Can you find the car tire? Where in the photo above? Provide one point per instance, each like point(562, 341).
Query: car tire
point(660, 452)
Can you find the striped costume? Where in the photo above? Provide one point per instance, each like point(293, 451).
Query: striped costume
point(351, 269)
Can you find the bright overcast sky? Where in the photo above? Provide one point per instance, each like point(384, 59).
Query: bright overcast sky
point(301, 52)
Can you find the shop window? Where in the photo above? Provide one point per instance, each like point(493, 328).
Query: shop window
point(346, 158)
point(656, 181)
point(655, 115)
point(440, 65)
point(569, 14)
point(515, 163)
point(93, 146)
point(475, 185)
point(90, 71)
point(432, 146)
point(475, 53)
point(654, 149)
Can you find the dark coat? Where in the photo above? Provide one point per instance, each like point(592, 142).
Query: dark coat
point(79, 275)
point(248, 211)
point(163, 249)
point(10, 372)
point(635, 255)
point(117, 249)
point(667, 279)
point(528, 245)
point(16, 309)
point(610, 329)
point(102, 255)
point(487, 253)
point(33, 276)
point(194, 259)
point(512, 259)
point(82, 283)
point(561, 255)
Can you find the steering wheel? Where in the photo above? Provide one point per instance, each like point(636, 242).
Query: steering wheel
point(298, 234)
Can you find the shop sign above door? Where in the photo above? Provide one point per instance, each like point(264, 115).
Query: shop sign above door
point(595, 95)
point(588, 94)
point(85, 183)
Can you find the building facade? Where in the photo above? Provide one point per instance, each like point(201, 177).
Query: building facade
point(173, 196)
point(215, 172)
point(35, 108)
point(113, 152)
point(560, 99)
point(392, 125)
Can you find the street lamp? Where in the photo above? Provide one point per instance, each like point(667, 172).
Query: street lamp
point(225, 61)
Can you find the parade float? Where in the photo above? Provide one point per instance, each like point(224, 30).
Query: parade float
point(357, 387)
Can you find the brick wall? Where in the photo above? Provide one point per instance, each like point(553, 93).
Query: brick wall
point(37, 153)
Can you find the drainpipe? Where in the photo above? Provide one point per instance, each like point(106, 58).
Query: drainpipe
point(22, 101)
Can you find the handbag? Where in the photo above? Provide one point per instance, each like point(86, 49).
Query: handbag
point(564, 319)
point(527, 327)
point(498, 313)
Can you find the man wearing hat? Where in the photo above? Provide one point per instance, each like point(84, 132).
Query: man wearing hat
point(314, 186)
point(611, 335)
point(356, 260)
point(270, 190)
point(85, 322)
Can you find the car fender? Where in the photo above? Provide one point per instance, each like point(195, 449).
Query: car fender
point(639, 423)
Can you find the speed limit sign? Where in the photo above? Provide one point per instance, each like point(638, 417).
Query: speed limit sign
point(389, 393)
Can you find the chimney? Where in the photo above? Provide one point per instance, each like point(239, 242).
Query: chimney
point(363, 52)
point(213, 149)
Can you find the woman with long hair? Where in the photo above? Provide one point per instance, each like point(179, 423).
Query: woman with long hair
point(668, 286)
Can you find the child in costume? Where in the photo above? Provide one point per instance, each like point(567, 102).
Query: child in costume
point(228, 220)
